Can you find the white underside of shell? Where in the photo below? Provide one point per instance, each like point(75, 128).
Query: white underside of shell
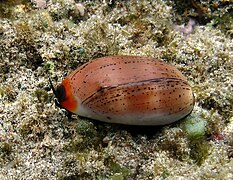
point(136, 118)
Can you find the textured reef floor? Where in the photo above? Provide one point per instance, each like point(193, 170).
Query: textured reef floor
point(38, 38)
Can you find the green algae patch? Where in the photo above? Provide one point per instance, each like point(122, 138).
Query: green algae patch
point(42, 96)
point(6, 148)
point(194, 126)
point(84, 138)
point(119, 171)
point(200, 150)
point(175, 142)
point(49, 66)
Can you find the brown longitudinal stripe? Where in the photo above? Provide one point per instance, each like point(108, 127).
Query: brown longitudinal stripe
point(102, 89)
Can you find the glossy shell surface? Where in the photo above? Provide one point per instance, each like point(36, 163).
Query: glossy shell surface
point(128, 90)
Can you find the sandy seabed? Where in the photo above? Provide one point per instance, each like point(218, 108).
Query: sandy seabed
point(38, 38)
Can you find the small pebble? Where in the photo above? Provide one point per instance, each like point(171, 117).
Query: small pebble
point(40, 3)
point(79, 9)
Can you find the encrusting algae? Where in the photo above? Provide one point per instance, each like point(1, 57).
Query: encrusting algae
point(37, 140)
